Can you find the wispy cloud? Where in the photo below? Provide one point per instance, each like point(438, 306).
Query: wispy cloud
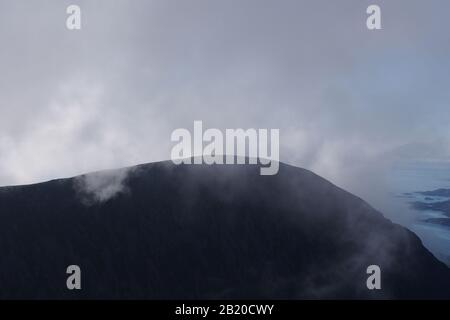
point(101, 186)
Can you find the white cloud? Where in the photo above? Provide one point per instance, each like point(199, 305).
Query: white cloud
point(101, 186)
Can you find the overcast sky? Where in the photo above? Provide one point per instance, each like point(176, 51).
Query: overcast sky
point(348, 101)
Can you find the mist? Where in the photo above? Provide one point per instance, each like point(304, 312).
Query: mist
point(349, 102)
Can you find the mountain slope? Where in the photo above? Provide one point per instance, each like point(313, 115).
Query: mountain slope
point(198, 231)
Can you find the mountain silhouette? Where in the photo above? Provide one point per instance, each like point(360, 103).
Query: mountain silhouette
point(165, 231)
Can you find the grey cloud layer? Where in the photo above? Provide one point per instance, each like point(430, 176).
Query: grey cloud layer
point(347, 101)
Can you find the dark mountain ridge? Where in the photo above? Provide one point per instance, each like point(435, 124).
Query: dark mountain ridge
point(204, 232)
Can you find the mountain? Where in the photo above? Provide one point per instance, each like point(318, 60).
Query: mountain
point(161, 231)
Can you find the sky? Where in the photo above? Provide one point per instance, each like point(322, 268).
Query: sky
point(349, 102)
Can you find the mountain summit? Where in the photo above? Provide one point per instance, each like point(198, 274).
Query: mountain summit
point(162, 231)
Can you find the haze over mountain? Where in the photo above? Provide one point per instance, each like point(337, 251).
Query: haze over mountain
point(196, 231)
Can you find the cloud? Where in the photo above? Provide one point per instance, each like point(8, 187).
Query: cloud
point(346, 100)
point(101, 186)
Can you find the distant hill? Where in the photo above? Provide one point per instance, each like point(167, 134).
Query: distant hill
point(197, 231)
